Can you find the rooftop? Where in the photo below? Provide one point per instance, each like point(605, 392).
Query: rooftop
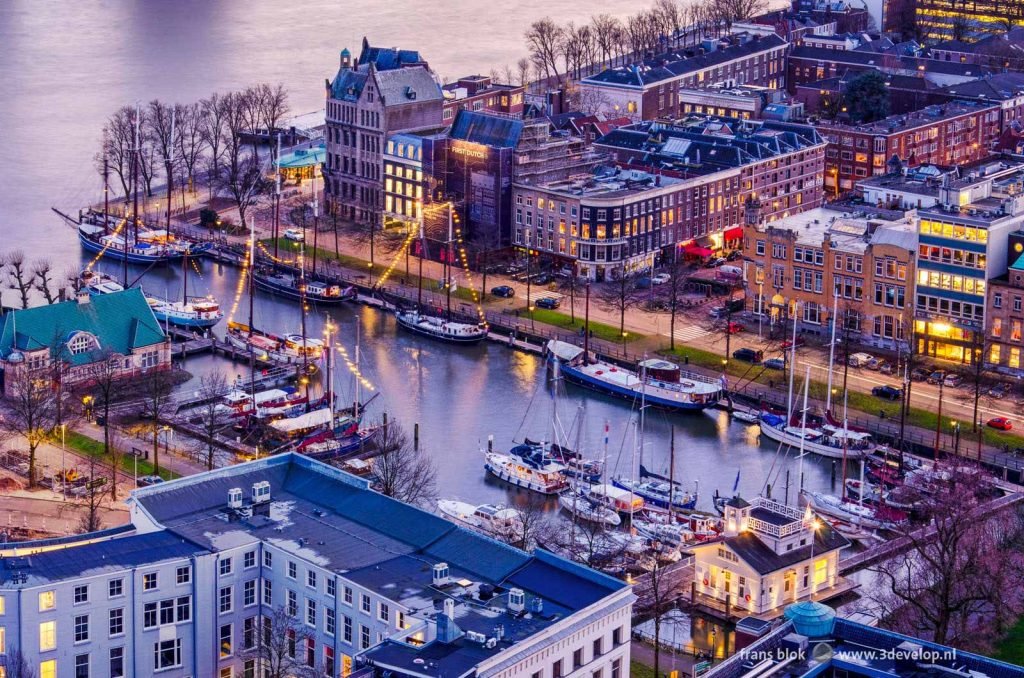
point(488, 130)
point(608, 182)
point(848, 231)
point(927, 116)
point(678, 63)
point(889, 62)
point(996, 87)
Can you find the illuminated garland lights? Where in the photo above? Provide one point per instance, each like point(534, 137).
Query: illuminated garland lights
point(354, 369)
point(394, 261)
point(465, 268)
point(276, 260)
point(241, 286)
point(117, 229)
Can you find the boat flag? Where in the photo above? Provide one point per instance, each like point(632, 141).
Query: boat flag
point(736, 485)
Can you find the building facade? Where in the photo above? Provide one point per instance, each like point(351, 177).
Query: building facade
point(214, 562)
point(479, 93)
point(943, 20)
point(1004, 311)
point(383, 92)
point(649, 90)
point(952, 134)
point(66, 341)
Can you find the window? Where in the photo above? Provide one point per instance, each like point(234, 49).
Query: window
point(81, 628)
point(760, 247)
point(116, 622)
point(383, 612)
point(347, 629)
point(115, 588)
point(329, 668)
point(268, 559)
point(1016, 303)
point(290, 637)
point(268, 592)
point(617, 636)
point(331, 587)
point(117, 662)
point(364, 603)
point(311, 613)
point(293, 571)
point(82, 666)
point(556, 669)
point(249, 669)
point(364, 637)
point(329, 621)
point(81, 594)
point(149, 581)
point(617, 668)
point(227, 672)
point(48, 669)
point(997, 327)
point(183, 575)
point(225, 567)
point(348, 596)
point(249, 593)
point(224, 599)
point(249, 560)
point(47, 635)
point(167, 654)
point(577, 658)
point(997, 300)
point(47, 600)
point(184, 609)
point(149, 616)
point(225, 640)
point(311, 579)
point(167, 611)
point(310, 652)
point(292, 607)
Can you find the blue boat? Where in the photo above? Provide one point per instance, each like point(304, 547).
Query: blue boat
point(658, 492)
point(152, 247)
point(662, 385)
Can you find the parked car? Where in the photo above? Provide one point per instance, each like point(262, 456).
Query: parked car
point(936, 377)
point(748, 355)
point(887, 367)
point(734, 328)
point(714, 262)
point(1001, 423)
point(542, 279)
point(919, 374)
point(661, 279)
point(788, 343)
point(874, 364)
point(145, 481)
point(999, 391)
point(294, 234)
point(887, 392)
point(731, 306)
point(953, 380)
point(503, 291)
point(775, 364)
point(860, 359)
point(548, 303)
point(643, 283)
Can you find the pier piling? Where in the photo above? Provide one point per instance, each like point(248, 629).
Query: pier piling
point(416, 437)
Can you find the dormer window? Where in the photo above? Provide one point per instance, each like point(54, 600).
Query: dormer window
point(82, 342)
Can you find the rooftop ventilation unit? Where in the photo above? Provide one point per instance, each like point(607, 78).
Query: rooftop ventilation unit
point(516, 600)
point(235, 498)
point(261, 492)
point(440, 574)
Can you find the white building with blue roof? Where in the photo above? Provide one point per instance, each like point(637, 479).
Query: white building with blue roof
point(380, 587)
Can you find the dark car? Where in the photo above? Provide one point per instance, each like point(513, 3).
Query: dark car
point(887, 392)
point(936, 377)
point(775, 364)
point(788, 343)
point(548, 302)
point(542, 279)
point(503, 291)
point(919, 374)
point(748, 355)
point(643, 283)
point(145, 481)
point(999, 391)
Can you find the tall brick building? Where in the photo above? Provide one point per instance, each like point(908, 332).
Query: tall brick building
point(383, 92)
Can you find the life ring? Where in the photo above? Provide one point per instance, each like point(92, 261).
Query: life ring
point(599, 372)
point(705, 581)
point(747, 598)
point(612, 369)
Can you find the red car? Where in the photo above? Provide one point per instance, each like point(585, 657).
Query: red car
point(735, 328)
point(1001, 423)
point(788, 343)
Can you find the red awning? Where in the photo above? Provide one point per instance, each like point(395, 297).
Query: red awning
point(734, 233)
point(697, 251)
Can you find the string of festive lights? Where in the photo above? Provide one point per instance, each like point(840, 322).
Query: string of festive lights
point(354, 369)
point(394, 261)
point(240, 287)
point(465, 267)
point(117, 229)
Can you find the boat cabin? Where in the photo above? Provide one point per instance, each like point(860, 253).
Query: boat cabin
point(616, 498)
point(660, 370)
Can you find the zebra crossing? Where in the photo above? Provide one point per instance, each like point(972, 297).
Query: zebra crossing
point(689, 333)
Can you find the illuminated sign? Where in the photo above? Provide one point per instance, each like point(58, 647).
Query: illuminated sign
point(470, 151)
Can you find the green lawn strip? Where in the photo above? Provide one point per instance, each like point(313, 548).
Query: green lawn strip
point(83, 444)
point(864, 403)
point(565, 322)
point(1011, 647)
point(638, 670)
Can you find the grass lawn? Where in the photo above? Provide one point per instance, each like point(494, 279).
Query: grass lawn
point(565, 321)
point(1011, 647)
point(638, 670)
point(863, 402)
point(83, 444)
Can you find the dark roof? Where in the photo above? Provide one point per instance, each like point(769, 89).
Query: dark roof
point(121, 322)
point(755, 553)
point(678, 63)
point(489, 130)
point(996, 87)
point(112, 555)
point(436, 659)
point(738, 502)
point(388, 58)
point(888, 61)
point(414, 84)
point(771, 517)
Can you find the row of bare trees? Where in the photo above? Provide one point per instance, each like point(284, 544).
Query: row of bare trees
point(571, 51)
point(216, 137)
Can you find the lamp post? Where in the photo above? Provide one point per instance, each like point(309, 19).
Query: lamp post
point(760, 307)
point(814, 533)
point(532, 326)
point(956, 438)
point(625, 336)
point(168, 434)
point(63, 467)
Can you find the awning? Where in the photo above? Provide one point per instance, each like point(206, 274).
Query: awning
point(734, 233)
point(698, 251)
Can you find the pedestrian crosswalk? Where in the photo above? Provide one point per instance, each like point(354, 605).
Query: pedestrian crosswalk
point(688, 332)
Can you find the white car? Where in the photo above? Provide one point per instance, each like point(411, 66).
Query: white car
point(294, 234)
point(860, 359)
point(661, 279)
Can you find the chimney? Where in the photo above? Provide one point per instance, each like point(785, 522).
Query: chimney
point(83, 296)
point(449, 608)
point(235, 498)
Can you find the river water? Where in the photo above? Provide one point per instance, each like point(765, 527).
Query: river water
point(65, 70)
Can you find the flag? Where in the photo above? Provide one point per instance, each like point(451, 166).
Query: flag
point(808, 516)
point(736, 485)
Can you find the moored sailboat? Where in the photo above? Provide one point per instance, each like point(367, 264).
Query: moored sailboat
point(580, 505)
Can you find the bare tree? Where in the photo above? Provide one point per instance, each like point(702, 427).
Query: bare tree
point(210, 417)
point(17, 665)
point(606, 29)
point(106, 387)
point(118, 142)
point(523, 71)
point(957, 570)
point(31, 408)
point(661, 588)
point(91, 501)
point(160, 123)
point(189, 140)
point(535, 526)
point(401, 471)
point(42, 274)
point(670, 18)
point(240, 174)
point(544, 39)
point(572, 286)
point(214, 132)
point(618, 295)
point(272, 104)
point(674, 290)
point(156, 386)
point(280, 647)
point(19, 278)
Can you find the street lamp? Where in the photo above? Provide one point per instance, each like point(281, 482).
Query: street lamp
point(63, 466)
point(956, 438)
point(532, 326)
point(168, 434)
point(814, 533)
point(625, 336)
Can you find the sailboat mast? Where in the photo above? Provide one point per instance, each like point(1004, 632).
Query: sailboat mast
point(586, 326)
point(832, 350)
point(330, 368)
point(448, 261)
point(277, 196)
point(302, 311)
point(803, 434)
point(419, 275)
point(137, 152)
point(355, 406)
point(846, 437)
point(671, 470)
point(792, 371)
point(184, 278)
point(252, 278)
point(316, 222)
point(106, 192)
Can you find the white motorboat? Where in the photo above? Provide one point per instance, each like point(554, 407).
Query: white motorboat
point(547, 479)
point(493, 520)
point(585, 508)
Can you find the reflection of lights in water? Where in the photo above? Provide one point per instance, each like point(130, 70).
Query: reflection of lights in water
point(524, 369)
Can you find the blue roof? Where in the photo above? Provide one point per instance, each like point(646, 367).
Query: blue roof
point(811, 619)
point(388, 58)
point(488, 130)
point(112, 555)
point(1018, 265)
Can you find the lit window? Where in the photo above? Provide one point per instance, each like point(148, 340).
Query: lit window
point(47, 636)
point(48, 669)
point(47, 600)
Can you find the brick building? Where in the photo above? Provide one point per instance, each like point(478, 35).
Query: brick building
point(649, 89)
point(1004, 310)
point(742, 101)
point(811, 64)
point(383, 92)
point(936, 19)
point(480, 93)
point(949, 134)
point(860, 263)
point(726, 164)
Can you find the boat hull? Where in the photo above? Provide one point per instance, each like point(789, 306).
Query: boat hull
point(291, 292)
point(656, 500)
point(581, 378)
point(119, 254)
point(278, 357)
point(777, 435)
point(435, 332)
point(500, 472)
point(190, 323)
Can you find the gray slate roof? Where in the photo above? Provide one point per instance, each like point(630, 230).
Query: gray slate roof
point(408, 85)
point(753, 552)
